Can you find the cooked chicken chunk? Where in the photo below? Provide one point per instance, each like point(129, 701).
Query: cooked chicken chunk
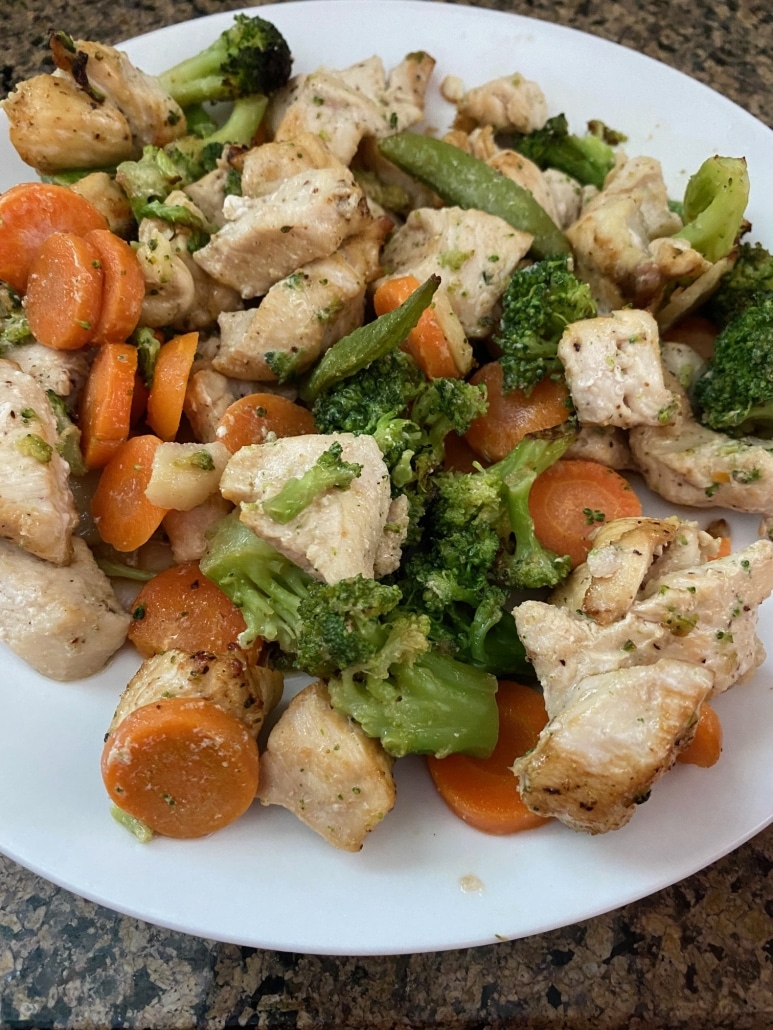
point(208, 395)
point(567, 195)
point(510, 102)
point(153, 116)
point(611, 237)
point(322, 767)
point(607, 445)
point(690, 464)
point(614, 372)
point(267, 238)
point(64, 620)
point(614, 736)
point(343, 107)
point(390, 548)
point(303, 314)
point(63, 371)
point(474, 254)
point(178, 292)
point(338, 535)
point(101, 190)
point(266, 167)
point(246, 691)
point(622, 698)
point(187, 530)
point(37, 510)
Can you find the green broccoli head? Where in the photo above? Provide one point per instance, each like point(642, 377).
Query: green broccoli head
point(735, 393)
point(14, 327)
point(329, 472)
point(588, 159)
point(252, 56)
point(540, 301)
point(751, 275)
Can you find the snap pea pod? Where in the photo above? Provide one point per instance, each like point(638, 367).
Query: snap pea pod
point(367, 343)
point(464, 181)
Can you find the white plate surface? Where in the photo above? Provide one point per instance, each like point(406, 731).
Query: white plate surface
point(269, 882)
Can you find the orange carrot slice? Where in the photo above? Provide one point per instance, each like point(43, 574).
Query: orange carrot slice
point(706, 746)
point(122, 513)
point(183, 767)
point(483, 791)
point(64, 292)
point(427, 342)
point(250, 419)
point(123, 289)
point(29, 213)
point(512, 416)
point(106, 403)
point(573, 498)
point(170, 379)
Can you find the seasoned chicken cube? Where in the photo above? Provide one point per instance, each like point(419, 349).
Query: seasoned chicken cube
point(338, 535)
point(611, 237)
point(65, 620)
point(321, 766)
point(567, 195)
point(607, 445)
point(246, 691)
point(266, 167)
point(63, 371)
point(507, 103)
point(37, 510)
point(614, 372)
point(474, 254)
point(303, 314)
point(344, 107)
point(267, 238)
point(622, 698)
point(688, 463)
point(615, 735)
point(187, 530)
point(390, 547)
point(209, 393)
point(101, 190)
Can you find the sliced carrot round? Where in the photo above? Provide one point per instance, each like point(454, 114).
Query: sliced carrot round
point(170, 380)
point(250, 419)
point(512, 416)
point(427, 344)
point(484, 791)
point(184, 767)
point(29, 213)
point(107, 402)
point(706, 746)
point(123, 289)
point(64, 292)
point(180, 608)
point(122, 513)
point(572, 498)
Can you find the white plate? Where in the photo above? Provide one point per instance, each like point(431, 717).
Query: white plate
point(267, 881)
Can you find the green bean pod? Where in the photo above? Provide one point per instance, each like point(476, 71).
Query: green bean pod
point(464, 181)
point(367, 343)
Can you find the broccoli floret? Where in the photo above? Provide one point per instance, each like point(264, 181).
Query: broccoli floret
point(735, 393)
point(68, 435)
point(329, 472)
point(751, 275)
point(267, 587)
point(539, 302)
point(148, 345)
point(419, 703)
point(14, 327)
point(149, 181)
point(252, 56)
point(714, 203)
point(588, 159)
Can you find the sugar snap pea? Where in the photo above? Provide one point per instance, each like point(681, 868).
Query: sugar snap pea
point(464, 181)
point(367, 343)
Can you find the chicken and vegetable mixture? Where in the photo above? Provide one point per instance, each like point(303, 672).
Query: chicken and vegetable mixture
point(307, 389)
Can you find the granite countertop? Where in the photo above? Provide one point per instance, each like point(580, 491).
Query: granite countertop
point(696, 955)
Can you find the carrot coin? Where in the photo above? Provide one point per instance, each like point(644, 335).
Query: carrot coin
point(64, 292)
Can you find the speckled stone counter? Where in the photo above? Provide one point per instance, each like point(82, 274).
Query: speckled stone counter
point(697, 955)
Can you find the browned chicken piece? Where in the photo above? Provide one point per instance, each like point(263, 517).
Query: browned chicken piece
point(266, 167)
point(37, 510)
point(510, 102)
point(344, 107)
point(338, 535)
point(607, 445)
point(474, 254)
point(64, 620)
point(267, 238)
point(101, 190)
point(614, 372)
point(246, 691)
point(611, 238)
point(303, 314)
point(321, 766)
point(622, 698)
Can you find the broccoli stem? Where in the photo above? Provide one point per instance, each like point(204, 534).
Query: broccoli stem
point(464, 181)
point(714, 203)
point(329, 472)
